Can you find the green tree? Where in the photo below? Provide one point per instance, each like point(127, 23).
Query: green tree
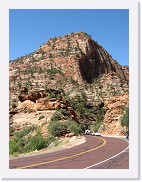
point(74, 127)
point(36, 142)
point(125, 119)
point(57, 128)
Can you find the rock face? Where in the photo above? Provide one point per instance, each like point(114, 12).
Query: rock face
point(126, 71)
point(67, 65)
point(111, 124)
point(23, 120)
point(75, 57)
point(80, 51)
point(45, 105)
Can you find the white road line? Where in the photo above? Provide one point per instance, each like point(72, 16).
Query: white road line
point(108, 158)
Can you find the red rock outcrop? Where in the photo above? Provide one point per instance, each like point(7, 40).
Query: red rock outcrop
point(126, 71)
point(82, 51)
point(111, 124)
point(44, 104)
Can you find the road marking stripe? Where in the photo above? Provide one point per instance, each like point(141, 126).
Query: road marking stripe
point(67, 157)
point(108, 158)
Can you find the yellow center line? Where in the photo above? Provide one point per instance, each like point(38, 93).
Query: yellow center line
point(66, 157)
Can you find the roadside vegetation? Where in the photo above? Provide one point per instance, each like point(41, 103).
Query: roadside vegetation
point(88, 115)
point(58, 128)
point(24, 141)
point(125, 120)
point(61, 123)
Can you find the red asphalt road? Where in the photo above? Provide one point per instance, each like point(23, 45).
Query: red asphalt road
point(81, 160)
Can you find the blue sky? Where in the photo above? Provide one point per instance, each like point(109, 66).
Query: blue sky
point(28, 29)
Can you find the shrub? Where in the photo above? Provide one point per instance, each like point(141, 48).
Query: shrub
point(14, 105)
point(96, 127)
point(64, 113)
point(11, 130)
point(100, 115)
point(125, 118)
point(36, 142)
point(53, 71)
point(79, 103)
point(27, 110)
point(41, 117)
point(50, 139)
point(24, 132)
point(13, 147)
point(73, 127)
point(20, 144)
point(57, 128)
point(56, 116)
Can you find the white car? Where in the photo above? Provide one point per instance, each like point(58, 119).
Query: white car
point(96, 133)
point(87, 132)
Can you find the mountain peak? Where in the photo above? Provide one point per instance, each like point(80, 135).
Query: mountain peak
point(71, 66)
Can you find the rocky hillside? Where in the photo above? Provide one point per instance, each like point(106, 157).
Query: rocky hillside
point(66, 68)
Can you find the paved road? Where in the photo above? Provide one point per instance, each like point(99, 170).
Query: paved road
point(95, 153)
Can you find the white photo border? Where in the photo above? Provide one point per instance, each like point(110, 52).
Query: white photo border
point(133, 171)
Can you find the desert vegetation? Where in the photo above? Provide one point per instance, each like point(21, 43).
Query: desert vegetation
point(125, 119)
point(24, 141)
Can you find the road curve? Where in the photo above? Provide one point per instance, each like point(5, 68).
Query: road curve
point(95, 153)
